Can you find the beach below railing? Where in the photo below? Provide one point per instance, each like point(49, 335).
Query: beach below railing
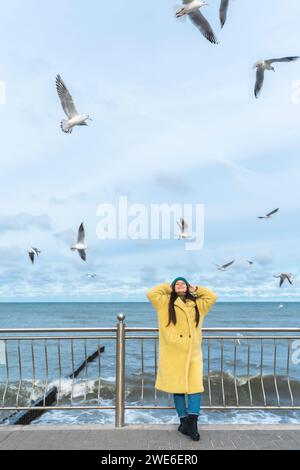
point(150, 437)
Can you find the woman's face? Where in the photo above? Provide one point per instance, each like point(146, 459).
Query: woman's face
point(180, 287)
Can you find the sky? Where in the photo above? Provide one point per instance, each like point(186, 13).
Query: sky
point(175, 121)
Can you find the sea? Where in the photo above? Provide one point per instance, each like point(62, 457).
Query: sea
point(96, 384)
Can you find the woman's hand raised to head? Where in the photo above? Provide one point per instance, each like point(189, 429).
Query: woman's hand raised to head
point(192, 288)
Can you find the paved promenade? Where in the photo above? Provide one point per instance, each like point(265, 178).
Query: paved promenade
point(159, 437)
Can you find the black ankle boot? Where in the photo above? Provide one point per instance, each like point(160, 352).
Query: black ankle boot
point(193, 427)
point(184, 426)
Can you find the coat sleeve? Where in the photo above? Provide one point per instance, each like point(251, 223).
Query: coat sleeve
point(205, 299)
point(159, 295)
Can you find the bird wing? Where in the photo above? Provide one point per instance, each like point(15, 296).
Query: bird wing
point(203, 25)
point(180, 225)
point(281, 281)
point(81, 234)
point(82, 254)
point(223, 11)
point(66, 99)
point(273, 212)
point(260, 76)
point(185, 2)
point(31, 256)
point(282, 59)
point(228, 264)
point(185, 225)
point(36, 251)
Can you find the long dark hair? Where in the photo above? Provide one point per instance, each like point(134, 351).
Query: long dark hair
point(172, 313)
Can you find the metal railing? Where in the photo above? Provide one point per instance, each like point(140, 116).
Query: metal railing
point(244, 369)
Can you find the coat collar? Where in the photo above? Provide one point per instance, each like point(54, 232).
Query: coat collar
point(184, 306)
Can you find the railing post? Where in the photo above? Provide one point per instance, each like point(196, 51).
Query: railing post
point(120, 373)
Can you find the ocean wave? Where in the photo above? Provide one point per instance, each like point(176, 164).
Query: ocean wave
point(87, 392)
point(139, 388)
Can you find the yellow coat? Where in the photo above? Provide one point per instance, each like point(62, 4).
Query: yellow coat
point(180, 364)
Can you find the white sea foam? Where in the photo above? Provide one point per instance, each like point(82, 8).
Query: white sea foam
point(67, 388)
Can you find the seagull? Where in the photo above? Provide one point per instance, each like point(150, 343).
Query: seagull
point(91, 276)
point(32, 253)
point(80, 246)
point(263, 65)
point(285, 276)
point(223, 11)
point(269, 215)
point(74, 118)
point(191, 8)
point(250, 263)
point(280, 306)
point(183, 229)
point(224, 266)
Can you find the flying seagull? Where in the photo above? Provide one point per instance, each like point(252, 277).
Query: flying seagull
point(269, 215)
point(285, 277)
point(91, 276)
point(183, 229)
point(250, 263)
point(263, 65)
point(223, 11)
point(32, 253)
point(67, 102)
point(223, 267)
point(191, 8)
point(80, 246)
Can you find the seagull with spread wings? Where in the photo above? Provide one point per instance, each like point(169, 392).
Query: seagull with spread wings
point(191, 8)
point(223, 267)
point(285, 277)
point(67, 102)
point(80, 246)
point(263, 65)
point(269, 215)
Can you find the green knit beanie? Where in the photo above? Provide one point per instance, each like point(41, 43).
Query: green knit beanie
point(180, 279)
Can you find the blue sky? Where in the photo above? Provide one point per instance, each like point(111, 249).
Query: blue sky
point(175, 121)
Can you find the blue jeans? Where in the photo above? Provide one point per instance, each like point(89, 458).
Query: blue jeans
point(194, 404)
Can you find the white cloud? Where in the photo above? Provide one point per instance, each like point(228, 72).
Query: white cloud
point(174, 118)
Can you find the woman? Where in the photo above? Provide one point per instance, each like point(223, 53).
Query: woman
point(181, 309)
